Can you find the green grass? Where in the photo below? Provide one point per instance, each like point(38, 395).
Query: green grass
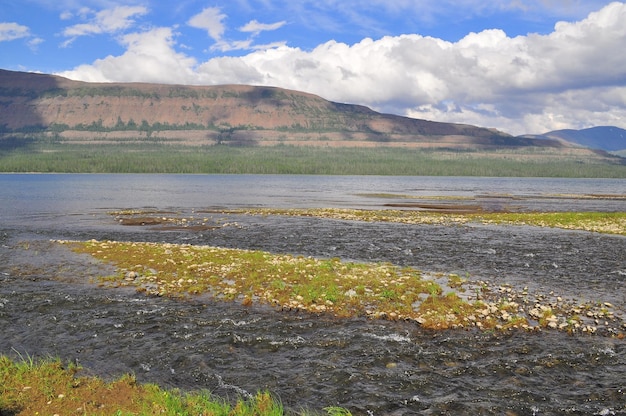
point(320, 286)
point(149, 157)
point(295, 282)
point(47, 386)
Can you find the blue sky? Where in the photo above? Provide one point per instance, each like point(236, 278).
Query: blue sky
point(522, 66)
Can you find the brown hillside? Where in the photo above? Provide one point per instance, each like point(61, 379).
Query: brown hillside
point(204, 114)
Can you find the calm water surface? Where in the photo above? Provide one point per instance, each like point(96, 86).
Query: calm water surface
point(60, 193)
point(48, 305)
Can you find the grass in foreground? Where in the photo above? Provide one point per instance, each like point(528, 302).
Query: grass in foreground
point(47, 387)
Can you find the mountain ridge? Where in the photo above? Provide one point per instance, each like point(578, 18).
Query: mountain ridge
point(241, 114)
point(84, 112)
point(608, 138)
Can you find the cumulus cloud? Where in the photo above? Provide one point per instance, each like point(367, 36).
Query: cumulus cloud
point(150, 57)
point(573, 77)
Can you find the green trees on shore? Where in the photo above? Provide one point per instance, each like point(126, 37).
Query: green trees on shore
point(154, 156)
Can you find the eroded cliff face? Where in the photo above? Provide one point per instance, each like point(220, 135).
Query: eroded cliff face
point(54, 102)
point(198, 115)
point(43, 100)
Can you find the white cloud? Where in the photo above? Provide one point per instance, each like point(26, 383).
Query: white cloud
point(227, 46)
point(34, 43)
point(105, 21)
point(256, 27)
point(149, 57)
point(11, 31)
point(573, 77)
point(210, 19)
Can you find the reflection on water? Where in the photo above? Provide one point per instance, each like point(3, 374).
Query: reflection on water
point(49, 306)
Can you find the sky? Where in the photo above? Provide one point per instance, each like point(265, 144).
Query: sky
point(520, 66)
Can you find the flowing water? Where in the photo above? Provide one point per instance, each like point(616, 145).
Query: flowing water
point(49, 305)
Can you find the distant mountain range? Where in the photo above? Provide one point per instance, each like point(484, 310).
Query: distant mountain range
point(609, 138)
point(82, 112)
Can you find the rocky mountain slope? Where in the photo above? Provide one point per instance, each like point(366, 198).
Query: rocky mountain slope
point(241, 114)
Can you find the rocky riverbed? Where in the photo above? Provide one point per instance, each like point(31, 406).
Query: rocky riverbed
point(50, 304)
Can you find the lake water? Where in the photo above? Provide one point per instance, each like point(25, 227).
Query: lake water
point(48, 305)
point(80, 193)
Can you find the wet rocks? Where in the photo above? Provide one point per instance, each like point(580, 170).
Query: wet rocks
point(166, 221)
point(131, 276)
point(547, 311)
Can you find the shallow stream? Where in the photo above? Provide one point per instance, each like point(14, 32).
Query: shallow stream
point(50, 306)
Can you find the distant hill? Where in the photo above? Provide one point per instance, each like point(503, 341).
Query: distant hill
point(609, 138)
point(235, 114)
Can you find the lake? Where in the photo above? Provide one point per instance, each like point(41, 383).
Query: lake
point(50, 306)
point(26, 194)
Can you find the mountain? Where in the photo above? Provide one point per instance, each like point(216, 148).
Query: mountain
point(609, 138)
point(238, 114)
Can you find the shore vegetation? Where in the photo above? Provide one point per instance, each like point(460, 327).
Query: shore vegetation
point(30, 386)
point(151, 155)
point(51, 387)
